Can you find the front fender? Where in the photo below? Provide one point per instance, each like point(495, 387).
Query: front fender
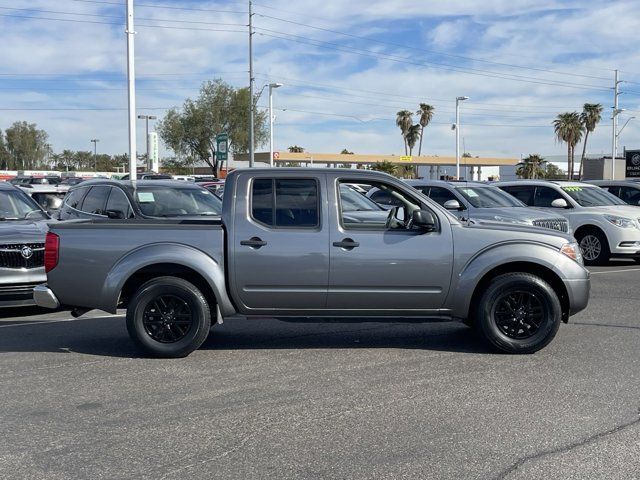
point(174, 253)
point(497, 255)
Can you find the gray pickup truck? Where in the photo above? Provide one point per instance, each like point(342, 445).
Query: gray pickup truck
point(283, 247)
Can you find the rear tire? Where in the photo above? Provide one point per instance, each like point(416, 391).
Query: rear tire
point(168, 317)
point(594, 246)
point(518, 313)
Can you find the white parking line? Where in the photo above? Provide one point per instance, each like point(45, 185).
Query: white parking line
point(24, 324)
point(617, 271)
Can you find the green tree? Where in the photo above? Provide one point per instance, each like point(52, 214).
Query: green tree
point(219, 108)
point(412, 137)
point(406, 171)
point(345, 152)
point(385, 166)
point(404, 120)
point(590, 117)
point(568, 129)
point(26, 145)
point(552, 172)
point(426, 114)
point(296, 149)
point(5, 157)
point(531, 167)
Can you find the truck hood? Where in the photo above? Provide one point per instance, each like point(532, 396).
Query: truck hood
point(22, 231)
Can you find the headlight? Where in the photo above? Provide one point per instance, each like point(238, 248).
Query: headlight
point(572, 250)
point(510, 220)
point(621, 222)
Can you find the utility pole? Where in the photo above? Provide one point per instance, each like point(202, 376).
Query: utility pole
point(271, 119)
point(95, 153)
point(458, 100)
point(146, 118)
point(614, 118)
point(251, 80)
point(131, 83)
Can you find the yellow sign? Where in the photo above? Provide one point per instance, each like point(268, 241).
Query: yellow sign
point(406, 158)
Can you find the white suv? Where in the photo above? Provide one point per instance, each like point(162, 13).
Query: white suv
point(602, 223)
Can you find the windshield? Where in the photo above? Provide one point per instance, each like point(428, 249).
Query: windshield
point(14, 206)
point(592, 196)
point(488, 197)
point(177, 202)
point(353, 201)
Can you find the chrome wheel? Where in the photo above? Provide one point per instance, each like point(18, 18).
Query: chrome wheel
point(167, 318)
point(518, 314)
point(591, 247)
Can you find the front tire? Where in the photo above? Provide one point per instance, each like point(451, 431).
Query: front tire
point(595, 247)
point(168, 317)
point(518, 313)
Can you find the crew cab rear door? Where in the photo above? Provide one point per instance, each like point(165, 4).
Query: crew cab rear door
point(279, 250)
point(376, 267)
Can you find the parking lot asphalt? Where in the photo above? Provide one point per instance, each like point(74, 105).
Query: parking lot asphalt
point(273, 399)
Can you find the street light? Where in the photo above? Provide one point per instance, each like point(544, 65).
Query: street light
point(271, 119)
point(95, 153)
point(146, 118)
point(458, 100)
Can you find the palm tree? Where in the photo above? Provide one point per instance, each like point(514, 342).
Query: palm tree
point(531, 167)
point(426, 114)
point(404, 121)
point(385, 166)
point(590, 117)
point(412, 136)
point(568, 129)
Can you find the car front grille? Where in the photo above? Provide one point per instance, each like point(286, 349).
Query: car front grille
point(16, 255)
point(559, 224)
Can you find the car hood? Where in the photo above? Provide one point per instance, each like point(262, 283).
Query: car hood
point(22, 231)
point(519, 213)
point(554, 237)
point(621, 210)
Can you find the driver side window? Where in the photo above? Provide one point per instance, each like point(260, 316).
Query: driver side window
point(382, 207)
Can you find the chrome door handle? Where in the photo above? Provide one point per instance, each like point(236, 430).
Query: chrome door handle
point(253, 242)
point(347, 244)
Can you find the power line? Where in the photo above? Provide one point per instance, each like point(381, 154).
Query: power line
point(408, 61)
point(168, 7)
point(120, 24)
point(393, 44)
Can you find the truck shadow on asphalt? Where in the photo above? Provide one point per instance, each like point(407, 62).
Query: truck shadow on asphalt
point(108, 336)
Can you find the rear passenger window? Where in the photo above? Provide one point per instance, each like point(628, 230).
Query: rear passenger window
point(522, 193)
point(95, 200)
point(545, 196)
point(285, 202)
point(75, 197)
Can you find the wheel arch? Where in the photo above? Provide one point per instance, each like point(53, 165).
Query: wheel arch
point(163, 259)
point(541, 271)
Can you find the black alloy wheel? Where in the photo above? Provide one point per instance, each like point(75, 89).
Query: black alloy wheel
point(167, 318)
point(518, 314)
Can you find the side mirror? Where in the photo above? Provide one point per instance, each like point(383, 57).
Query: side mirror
point(424, 220)
point(115, 214)
point(452, 205)
point(559, 203)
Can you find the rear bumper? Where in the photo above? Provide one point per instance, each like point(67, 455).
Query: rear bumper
point(578, 292)
point(44, 297)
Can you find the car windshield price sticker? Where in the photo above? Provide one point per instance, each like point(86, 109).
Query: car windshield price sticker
point(146, 197)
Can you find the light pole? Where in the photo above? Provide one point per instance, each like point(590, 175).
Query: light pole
point(617, 136)
point(458, 100)
point(146, 118)
point(616, 133)
point(131, 92)
point(271, 118)
point(95, 153)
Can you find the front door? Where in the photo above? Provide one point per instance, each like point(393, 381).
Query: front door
point(280, 244)
point(382, 264)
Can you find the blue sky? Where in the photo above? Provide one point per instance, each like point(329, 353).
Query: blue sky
point(346, 70)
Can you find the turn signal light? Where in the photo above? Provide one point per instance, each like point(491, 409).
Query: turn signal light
point(572, 250)
point(51, 248)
